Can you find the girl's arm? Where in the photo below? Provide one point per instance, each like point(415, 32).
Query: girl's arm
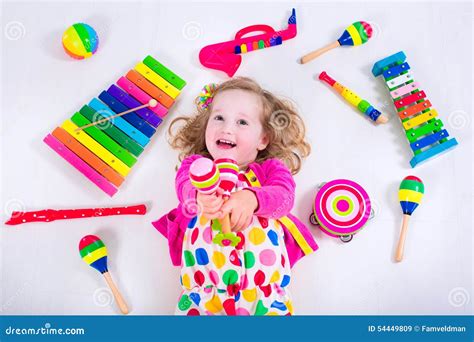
point(277, 195)
point(184, 189)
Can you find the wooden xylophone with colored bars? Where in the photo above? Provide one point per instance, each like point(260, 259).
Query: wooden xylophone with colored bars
point(106, 152)
point(423, 129)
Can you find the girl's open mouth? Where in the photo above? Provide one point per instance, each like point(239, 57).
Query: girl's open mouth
point(225, 144)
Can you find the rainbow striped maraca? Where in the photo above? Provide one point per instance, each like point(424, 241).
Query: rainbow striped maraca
point(410, 194)
point(94, 253)
point(204, 175)
point(356, 34)
point(229, 171)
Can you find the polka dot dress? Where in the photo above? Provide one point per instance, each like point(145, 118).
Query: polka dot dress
point(248, 279)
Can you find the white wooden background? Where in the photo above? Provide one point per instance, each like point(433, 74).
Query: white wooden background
point(41, 86)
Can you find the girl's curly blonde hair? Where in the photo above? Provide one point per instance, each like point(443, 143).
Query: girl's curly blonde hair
point(280, 120)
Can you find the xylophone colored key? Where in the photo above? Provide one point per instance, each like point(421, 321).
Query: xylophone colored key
point(105, 140)
point(121, 123)
point(132, 118)
point(129, 102)
point(80, 165)
point(149, 88)
point(112, 131)
point(166, 73)
point(141, 96)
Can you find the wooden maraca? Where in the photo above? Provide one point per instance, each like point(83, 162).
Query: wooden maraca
point(94, 253)
point(356, 34)
point(410, 194)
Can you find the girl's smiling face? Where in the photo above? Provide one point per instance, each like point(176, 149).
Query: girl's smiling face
point(234, 129)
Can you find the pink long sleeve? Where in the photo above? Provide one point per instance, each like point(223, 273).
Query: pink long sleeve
point(277, 194)
point(184, 189)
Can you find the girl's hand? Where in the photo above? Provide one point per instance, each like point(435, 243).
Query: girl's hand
point(241, 205)
point(211, 204)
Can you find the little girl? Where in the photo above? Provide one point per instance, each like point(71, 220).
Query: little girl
point(266, 137)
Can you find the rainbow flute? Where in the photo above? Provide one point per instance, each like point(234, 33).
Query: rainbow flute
point(410, 194)
point(229, 171)
point(94, 253)
point(356, 34)
point(351, 97)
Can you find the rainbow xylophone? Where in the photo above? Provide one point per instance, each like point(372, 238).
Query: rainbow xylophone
point(106, 152)
point(423, 129)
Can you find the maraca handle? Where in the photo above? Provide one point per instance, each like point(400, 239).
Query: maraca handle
point(225, 222)
point(117, 295)
point(401, 240)
point(312, 55)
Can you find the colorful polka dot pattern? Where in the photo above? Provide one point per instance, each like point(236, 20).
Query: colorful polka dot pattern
point(248, 279)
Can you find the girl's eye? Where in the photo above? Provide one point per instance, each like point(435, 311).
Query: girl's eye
point(219, 117)
point(242, 122)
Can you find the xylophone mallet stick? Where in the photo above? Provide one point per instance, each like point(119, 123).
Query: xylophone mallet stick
point(151, 103)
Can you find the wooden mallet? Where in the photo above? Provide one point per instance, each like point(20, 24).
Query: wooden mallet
point(151, 103)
